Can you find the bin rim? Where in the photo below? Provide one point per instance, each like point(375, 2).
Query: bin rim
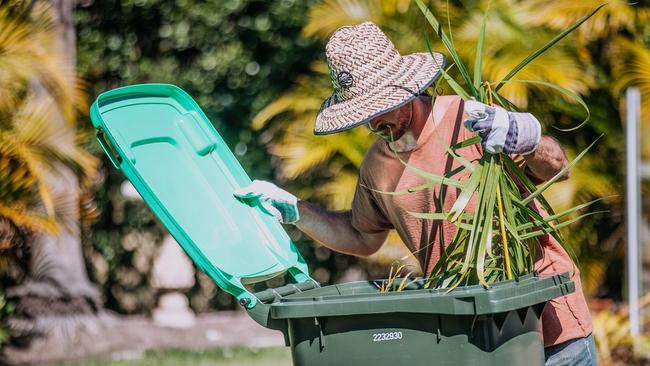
point(470, 300)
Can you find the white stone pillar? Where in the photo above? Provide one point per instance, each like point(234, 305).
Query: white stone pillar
point(172, 272)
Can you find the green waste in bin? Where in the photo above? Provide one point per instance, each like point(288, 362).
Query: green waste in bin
point(166, 146)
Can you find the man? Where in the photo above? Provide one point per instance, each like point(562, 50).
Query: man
point(375, 86)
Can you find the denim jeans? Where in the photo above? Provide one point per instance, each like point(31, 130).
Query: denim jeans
point(576, 352)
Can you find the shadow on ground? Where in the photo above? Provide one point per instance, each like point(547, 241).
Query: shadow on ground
point(226, 356)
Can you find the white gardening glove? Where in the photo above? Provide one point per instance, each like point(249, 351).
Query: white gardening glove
point(503, 131)
point(271, 199)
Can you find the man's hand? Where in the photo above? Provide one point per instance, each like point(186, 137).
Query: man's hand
point(273, 200)
point(548, 160)
point(503, 131)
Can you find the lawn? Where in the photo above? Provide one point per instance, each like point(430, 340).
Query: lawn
point(227, 356)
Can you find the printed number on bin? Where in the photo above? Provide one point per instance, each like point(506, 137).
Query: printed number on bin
point(388, 336)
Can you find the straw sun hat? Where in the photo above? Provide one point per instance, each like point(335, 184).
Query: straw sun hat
point(370, 77)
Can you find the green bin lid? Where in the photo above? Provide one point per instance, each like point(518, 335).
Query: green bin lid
point(166, 146)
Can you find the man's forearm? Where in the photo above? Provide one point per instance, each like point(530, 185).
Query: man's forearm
point(335, 231)
point(547, 160)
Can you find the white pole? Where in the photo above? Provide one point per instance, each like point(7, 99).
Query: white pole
point(633, 99)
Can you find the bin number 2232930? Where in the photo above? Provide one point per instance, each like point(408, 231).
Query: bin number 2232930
point(387, 336)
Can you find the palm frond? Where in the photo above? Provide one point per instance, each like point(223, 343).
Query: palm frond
point(631, 67)
point(39, 99)
point(615, 17)
point(31, 55)
point(333, 14)
point(339, 191)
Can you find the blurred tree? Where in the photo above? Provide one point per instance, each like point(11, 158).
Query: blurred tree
point(232, 56)
point(584, 63)
point(44, 171)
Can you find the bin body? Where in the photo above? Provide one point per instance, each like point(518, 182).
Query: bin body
point(419, 339)
point(353, 324)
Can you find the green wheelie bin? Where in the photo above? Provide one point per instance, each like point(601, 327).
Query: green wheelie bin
point(166, 146)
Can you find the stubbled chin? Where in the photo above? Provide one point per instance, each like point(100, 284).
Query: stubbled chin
point(407, 142)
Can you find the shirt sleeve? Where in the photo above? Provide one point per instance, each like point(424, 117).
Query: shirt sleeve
point(367, 216)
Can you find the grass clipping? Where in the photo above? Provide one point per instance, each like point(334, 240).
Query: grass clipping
point(499, 239)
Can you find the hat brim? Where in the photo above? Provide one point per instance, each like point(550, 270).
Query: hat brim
point(421, 70)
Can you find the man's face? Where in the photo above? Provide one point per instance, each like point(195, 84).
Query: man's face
point(393, 125)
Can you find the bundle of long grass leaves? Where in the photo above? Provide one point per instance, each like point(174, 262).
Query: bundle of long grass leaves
point(496, 241)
